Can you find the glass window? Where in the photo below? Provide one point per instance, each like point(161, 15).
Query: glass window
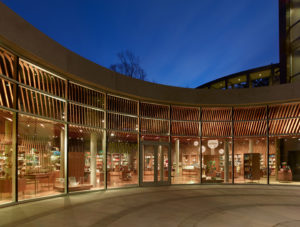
point(284, 162)
point(251, 159)
point(41, 151)
point(86, 158)
point(122, 159)
point(217, 160)
point(185, 160)
point(6, 156)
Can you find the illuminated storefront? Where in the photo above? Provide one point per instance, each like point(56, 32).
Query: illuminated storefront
point(60, 135)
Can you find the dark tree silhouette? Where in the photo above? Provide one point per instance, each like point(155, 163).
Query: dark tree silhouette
point(129, 65)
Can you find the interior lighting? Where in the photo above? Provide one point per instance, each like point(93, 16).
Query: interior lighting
point(196, 143)
point(221, 151)
point(42, 125)
point(112, 134)
point(203, 149)
point(212, 144)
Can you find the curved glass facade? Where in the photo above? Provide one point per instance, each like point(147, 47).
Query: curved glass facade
point(58, 136)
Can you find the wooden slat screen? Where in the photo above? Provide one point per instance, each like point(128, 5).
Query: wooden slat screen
point(121, 122)
point(86, 96)
point(216, 114)
point(250, 128)
point(284, 126)
point(38, 104)
point(35, 77)
point(6, 93)
point(85, 116)
point(185, 113)
point(152, 126)
point(121, 105)
point(249, 113)
point(284, 111)
point(185, 128)
point(6, 63)
point(214, 129)
point(76, 131)
point(154, 111)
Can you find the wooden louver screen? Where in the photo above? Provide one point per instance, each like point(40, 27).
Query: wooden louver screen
point(152, 126)
point(38, 104)
point(185, 113)
point(40, 79)
point(6, 93)
point(284, 111)
point(86, 96)
point(121, 122)
point(284, 126)
point(6, 63)
point(121, 105)
point(85, 116)
point(250, 113)
point(250, 128)
point(76, 131)
point(216, 114)
point(154, 111)
point(185, 128)
point(214, 129)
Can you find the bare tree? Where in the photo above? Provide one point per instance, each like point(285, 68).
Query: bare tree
point(129, 65)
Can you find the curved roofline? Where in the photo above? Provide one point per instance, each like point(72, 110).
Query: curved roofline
point(30, 43)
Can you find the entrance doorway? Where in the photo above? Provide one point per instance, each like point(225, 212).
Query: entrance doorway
point(155, 162)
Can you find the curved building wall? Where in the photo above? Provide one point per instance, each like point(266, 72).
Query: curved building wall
point(70, 125)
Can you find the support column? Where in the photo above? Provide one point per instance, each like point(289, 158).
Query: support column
point(161, 171)
point(226, 161)
point(15, 158)
point(62, 154)
point(177, 151)
point(93, 151)
point(250, 145)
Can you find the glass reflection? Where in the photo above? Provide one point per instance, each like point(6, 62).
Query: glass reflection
point(6, 155)
point(122, 159)
point(217, 160)
point(86, 158)
point(41, 151)
point(250, 160)
point(185, 160)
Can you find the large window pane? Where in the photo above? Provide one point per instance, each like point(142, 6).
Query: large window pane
point(6, 154)
point(86, 158)
point(216, 160)
point(251, 159)
point(41, 151)
point(285, 160)
point(122, 159)
point(185, 160)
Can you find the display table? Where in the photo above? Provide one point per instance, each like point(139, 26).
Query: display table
point(285, 175)
point(36, 177)
point(189, 170)
point(74, 188)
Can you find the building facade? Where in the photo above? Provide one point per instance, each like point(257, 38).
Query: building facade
point(69, 125)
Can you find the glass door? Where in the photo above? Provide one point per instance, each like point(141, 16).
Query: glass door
point(155, 165)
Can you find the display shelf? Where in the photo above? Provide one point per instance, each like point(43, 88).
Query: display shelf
point(252, 166)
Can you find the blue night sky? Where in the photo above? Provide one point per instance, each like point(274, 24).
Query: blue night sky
point(180, 43)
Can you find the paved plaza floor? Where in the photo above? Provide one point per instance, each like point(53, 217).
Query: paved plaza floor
point(191, 205)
